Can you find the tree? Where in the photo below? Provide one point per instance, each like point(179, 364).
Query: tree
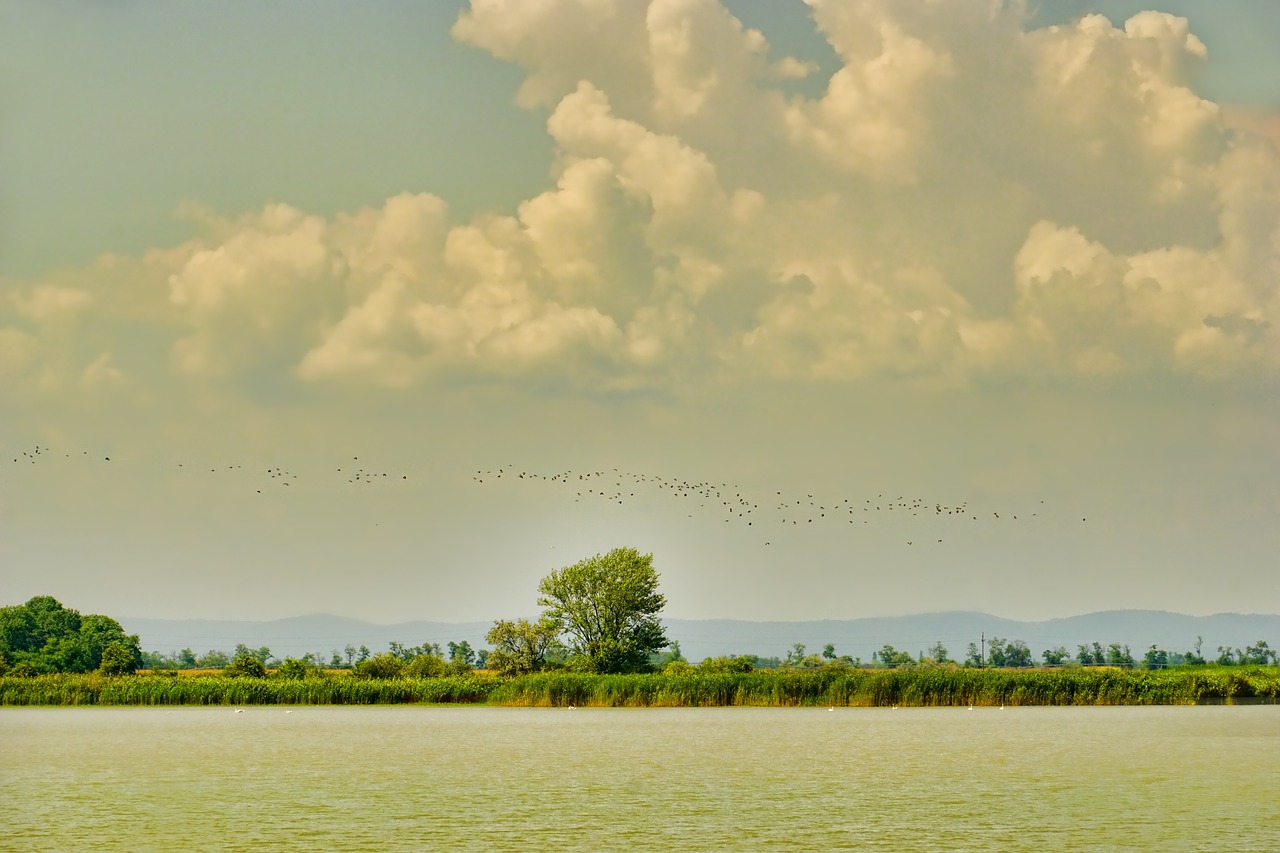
point(245, 665)
point(384, 665)
point(461, 654)
point(296, 668)
point(213, 659)
point(609, 606)
point(1056, 657)
point(891, 657)
point(263, 653)
point(938, 653)
point(1195, 658)
point(53, 638)
point(829, 651)
point(98, 633)
point(1118, 655)
point(973, 656)
point(671, 655)
point(1259, 653)
point(118, 659)
point(996, 652)
point(1155, 658)
point(522, 646)
point(1016, 653)
point(796, 656)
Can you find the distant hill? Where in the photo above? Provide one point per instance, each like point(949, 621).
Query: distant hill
point(860, 638)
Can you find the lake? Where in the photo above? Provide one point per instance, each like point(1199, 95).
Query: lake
point(478, 778)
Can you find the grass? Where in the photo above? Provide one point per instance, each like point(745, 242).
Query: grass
point(924, 687)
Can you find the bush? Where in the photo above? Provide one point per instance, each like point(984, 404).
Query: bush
point(245, 665)
point(426, 666)
point(726, 664)
point(385, 665)
point(294, 668)
point(118, 659)
point(22, 669)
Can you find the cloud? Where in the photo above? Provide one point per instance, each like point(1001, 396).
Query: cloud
point(967, 199)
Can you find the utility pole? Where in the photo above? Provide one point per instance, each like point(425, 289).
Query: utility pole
point(982, 656)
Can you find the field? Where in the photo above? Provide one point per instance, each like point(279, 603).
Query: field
point(927, 687)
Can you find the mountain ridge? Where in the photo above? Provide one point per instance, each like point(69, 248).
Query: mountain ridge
point(323, 633)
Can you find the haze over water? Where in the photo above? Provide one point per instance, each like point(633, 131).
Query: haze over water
point(417, 778)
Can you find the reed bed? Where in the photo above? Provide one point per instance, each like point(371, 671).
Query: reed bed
point(96, 689)
point(923, 687)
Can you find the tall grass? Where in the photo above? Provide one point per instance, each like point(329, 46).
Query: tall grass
point(780, 688)
point(95, 689)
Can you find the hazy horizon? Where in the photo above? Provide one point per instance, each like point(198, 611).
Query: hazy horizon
point(839, 310)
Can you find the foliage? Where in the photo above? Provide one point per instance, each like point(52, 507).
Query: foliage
point(1008, 653)
point(245, 665)
point(263, 653)
point(49, 637)
point(938, 653)
point(462, 653)
point(385, 665)
point(427, 666)
point(213, 659)
point(297, 668)
point(726, 664)
point(522, 646)
point(118, 659)
point(829, 686)
point(608, 604)
point(1056, 656)
point(890, 657)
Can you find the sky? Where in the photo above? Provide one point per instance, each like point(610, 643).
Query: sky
point(839, 309)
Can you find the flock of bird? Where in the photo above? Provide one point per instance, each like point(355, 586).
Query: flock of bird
point(727, 502)
point(354, 474)
point(738, 505)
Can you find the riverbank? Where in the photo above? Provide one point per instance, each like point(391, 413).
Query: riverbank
point(927, 687)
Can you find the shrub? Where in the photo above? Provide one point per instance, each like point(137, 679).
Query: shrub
point(294, 669)
point(726, 664)
point(22, 669)
point(245, 665)
point(118, 659)
point(426, 666)
point(385, 665)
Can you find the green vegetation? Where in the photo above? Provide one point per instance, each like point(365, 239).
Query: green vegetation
point(608, 605)
point(600, 642)
point(721, 683)
point(42, 636)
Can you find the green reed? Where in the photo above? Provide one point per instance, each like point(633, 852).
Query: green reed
point(917, 687)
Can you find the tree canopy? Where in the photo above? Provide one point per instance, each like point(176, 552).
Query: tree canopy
point(48, 637)
point(608, 605)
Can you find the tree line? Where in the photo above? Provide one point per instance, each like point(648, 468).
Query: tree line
point(599, 615)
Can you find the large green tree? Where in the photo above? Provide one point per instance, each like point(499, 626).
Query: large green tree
point(522, 646)
point(609, 606)
point(49, 637)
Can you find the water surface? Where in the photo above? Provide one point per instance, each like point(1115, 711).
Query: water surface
point(477, 778)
